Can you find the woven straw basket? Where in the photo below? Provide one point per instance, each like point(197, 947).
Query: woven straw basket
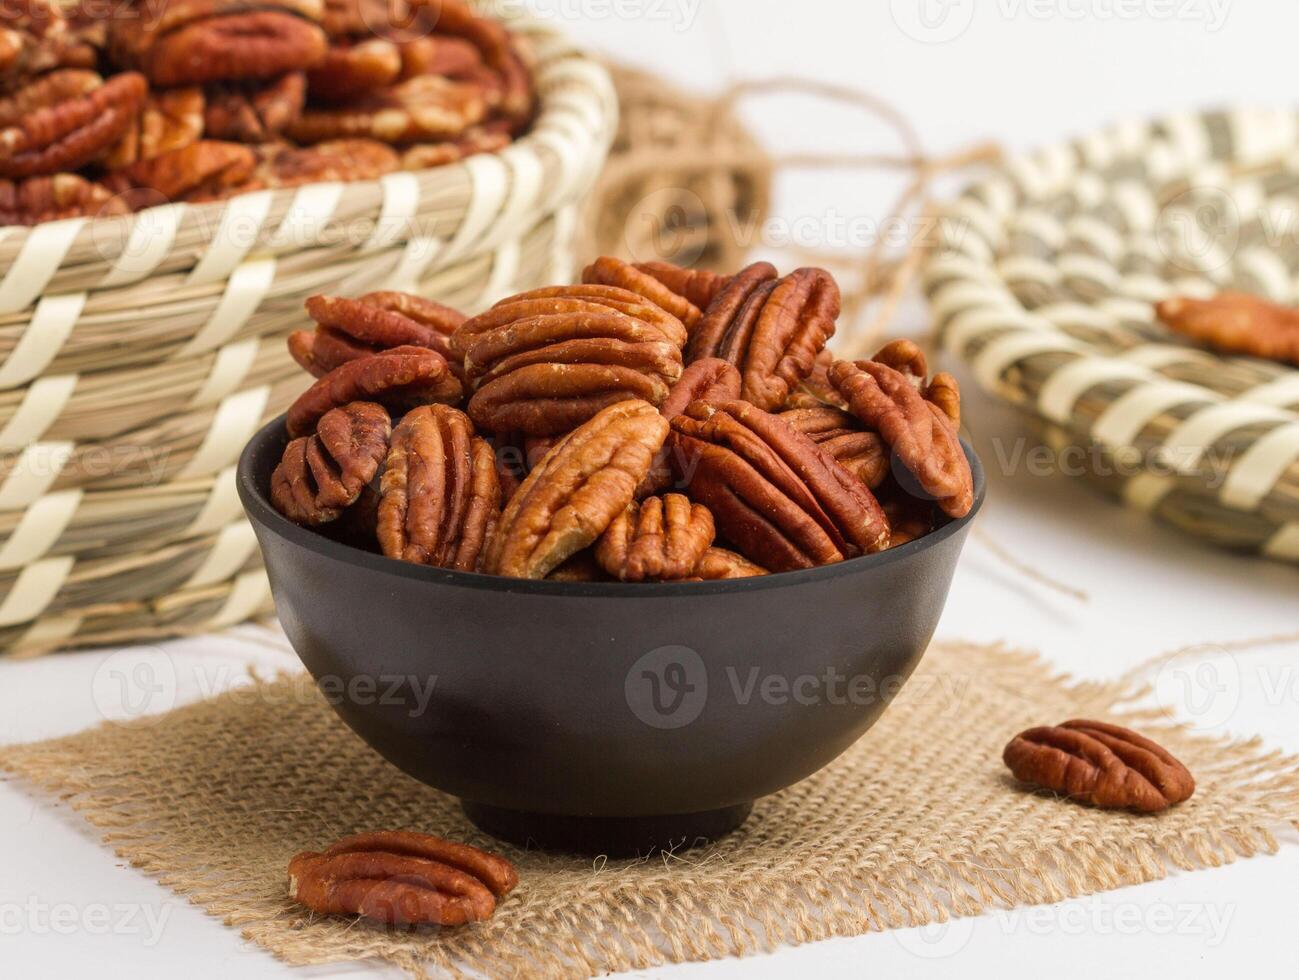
point(1046, 280)
point(137, 356)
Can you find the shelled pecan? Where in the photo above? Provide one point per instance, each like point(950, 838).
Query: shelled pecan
point(906, 357)
point(351, 69)
point(254, 112)
point(201, 171)
point(659, 539)
point(35, 37)
point(608, 271)
point(187, 42)
point(427, 107)
point(440, 497)
point(479, 139)
point(917, 431)
point(512, 95)
point(708, 380)
point(402, 879)
point(815, 390)
point(544, 362)
point(36, 199)
point(400, 379)
point(719, 563)
point(775, 494)
point(699, 287)
point(323, 474)
point(577, 491)
point(347, 329)
point(283, 165)
point(168, 120)
point(772, 329)
point(62, 131)
point(1236, 323)
point(839, 433)
point(1101, 764)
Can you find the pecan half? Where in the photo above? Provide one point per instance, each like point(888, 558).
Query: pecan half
point(168, 120)
point(771, 329)
point(347, 329)
point(427, 107)
point(254, 112)
point(403, 879)
point(188, 42)
point(839, 433)
point(479, 139)
point(719, 563)
point(709, 380)
point(610, 271)
point(774, 493)
point(699, 287)
point(544, 362)
point(67, 133)
point(202, 171)
point(335, 160)
point(400, 379)
point(440, 497)
point(512, 94)
point(39, 199)
point(582, 567)
point(35, 37)
point(353, 69)
point(815, 390)
point(660, 539)
point(906, 357)
point(916, 430)
point(1101, 764)
point(1236, 323)
point(322, 474)
point(909, 518)
point(573, 496)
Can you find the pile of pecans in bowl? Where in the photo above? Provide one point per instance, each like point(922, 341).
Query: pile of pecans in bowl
point(109, 106)
point(649, 424)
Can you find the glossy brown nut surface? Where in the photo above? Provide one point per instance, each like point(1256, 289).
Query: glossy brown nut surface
point(351, 69)
point(440, 497)
point(399, 379)
point(426, 107)
point(169, 120)
point(839, 433)
point(350, 328)
point(916, 430)
point(68, 133)
point(334, 160)
point(402, 879)
point(719, 563)
point(254, 112)
point(36, 199)
point(659, 539)
point(1236, 323)
point(1101, 764)
point(698, 286)
point(577, 491)
point(322, 474)
point(771, 329)
point(201, 171)
point(777, 496)
point(609, 271)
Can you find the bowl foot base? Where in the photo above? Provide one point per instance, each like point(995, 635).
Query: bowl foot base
point(618, 837)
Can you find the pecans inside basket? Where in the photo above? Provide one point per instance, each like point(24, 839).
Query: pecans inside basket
point(110, 108)
point(588, 432)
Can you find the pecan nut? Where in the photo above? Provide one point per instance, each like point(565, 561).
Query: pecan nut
point(323, 474)
point(347, 329)
point(544, 362)
point(771, 329)
point(1101, 764)
point(69, 131)
point(439, 497)
point(660, 539)
point(610, 271)
point(400, 379)
point(774, 493)
point(36, 37)
point(839, 433)
point(284, 166)
point(402, 879)
point(699, 287)
point(189, 42)
point(202, 171)
point(254, 112)
point(39, 199)
point(577, 491)
point(511, 93)
point(708, 380)
point(719, 563)
point(815, 390)
point(1236, 323)
point(353, 69)
point(169, 120)
point(917, 431)
point(479, 139)
point(427, 107)
point(906, 357)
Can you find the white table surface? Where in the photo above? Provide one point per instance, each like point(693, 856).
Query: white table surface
point(1014, 71)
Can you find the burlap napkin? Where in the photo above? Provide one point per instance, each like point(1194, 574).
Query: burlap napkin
point(917, 822)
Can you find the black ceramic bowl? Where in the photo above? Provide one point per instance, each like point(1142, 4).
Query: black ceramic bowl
point(601, 717)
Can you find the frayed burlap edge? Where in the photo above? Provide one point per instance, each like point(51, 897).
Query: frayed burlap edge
point(775, 882)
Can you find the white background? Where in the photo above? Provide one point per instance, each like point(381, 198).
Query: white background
point(1019, 72)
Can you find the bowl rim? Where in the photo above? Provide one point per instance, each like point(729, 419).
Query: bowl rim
point(261, 513)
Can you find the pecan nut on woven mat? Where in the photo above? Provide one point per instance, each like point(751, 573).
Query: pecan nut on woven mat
point(1101, 764)
point(1236, 323)
point(557, 435)
point(402, 879)
point(199, 100)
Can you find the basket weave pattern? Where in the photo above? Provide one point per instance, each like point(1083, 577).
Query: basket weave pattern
point(1046, 284)
point(138, 355)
